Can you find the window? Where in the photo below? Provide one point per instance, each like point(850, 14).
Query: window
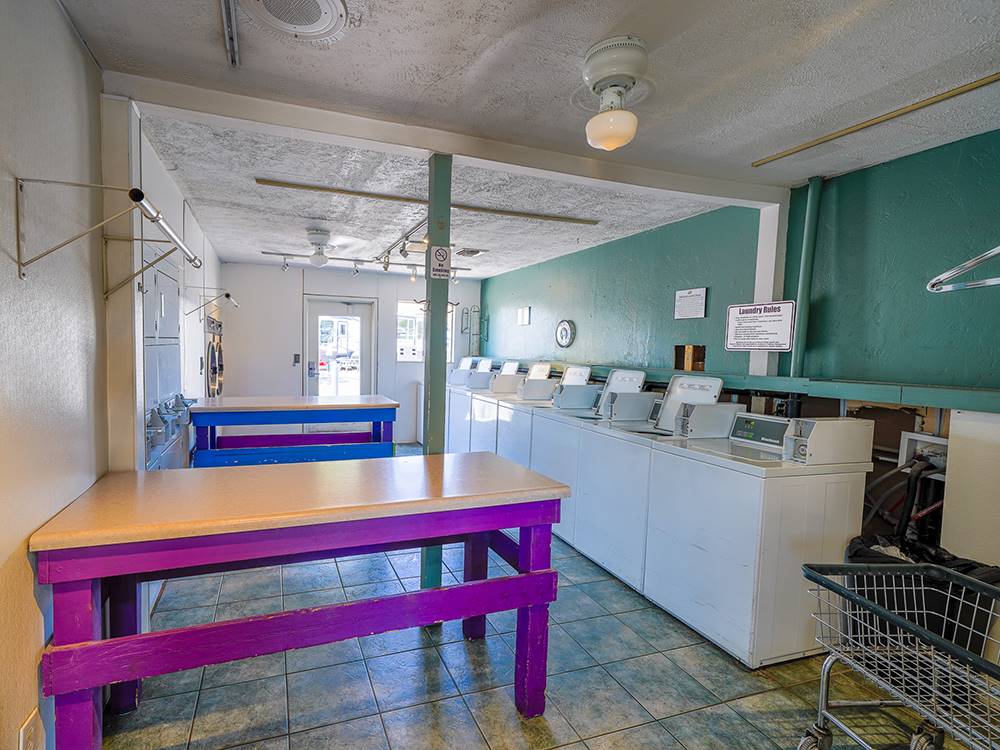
point(410, 333)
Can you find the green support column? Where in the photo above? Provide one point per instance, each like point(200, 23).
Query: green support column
point(435, 344)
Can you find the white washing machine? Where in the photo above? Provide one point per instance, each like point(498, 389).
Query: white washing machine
point(732, 521)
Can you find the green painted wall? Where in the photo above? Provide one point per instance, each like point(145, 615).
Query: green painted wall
point(621, 295)
point(883, 233)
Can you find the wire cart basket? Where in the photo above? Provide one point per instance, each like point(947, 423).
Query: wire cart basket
point(926, 635)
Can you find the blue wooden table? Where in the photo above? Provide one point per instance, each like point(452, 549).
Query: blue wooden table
point(214, 449)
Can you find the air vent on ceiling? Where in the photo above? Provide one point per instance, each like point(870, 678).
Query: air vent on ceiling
point(303, 19)
point(470, 252)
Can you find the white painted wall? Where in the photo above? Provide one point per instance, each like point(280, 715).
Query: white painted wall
point(53, 409)
point(261, 337)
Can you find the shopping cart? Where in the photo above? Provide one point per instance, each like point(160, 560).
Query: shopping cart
point(926, 635)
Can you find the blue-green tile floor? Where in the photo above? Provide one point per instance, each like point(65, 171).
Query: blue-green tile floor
point(622, 674)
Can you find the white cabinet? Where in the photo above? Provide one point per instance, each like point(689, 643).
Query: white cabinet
point(459, 422)
point(701, 550)
point(555, 449)
point(514, 434)
point(611, 504)
point(483, 427)
point(168, 305)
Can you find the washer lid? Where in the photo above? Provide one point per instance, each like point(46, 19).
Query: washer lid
point(686, 389)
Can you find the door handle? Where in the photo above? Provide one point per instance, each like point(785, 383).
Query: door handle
point(312, 369)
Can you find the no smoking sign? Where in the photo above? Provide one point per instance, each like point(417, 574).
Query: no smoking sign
point(440, 262)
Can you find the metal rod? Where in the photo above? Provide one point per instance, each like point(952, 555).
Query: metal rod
point(944, 96)
point(25, 263)
point(154, 216)
point(937, 284)
point(351, 260)
point(423, 202)
point(142, 270)
point(227, 295)
point(37, 181)
point(802, 297)
point(115, 238)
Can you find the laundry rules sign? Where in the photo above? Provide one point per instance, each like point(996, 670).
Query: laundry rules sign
point(760, 326)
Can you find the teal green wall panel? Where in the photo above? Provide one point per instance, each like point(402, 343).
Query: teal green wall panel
point(621, 296)
point(883, 233)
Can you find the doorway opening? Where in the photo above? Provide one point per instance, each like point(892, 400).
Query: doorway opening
point(340, 346)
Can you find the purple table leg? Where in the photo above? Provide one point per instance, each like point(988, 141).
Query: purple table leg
point(76, 610)
point(476, 563)
point(387, 432)
point(125, 619)
point(201, 438)
point(376, 432)
point(532, 639)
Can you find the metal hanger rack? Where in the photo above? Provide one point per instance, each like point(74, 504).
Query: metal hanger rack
point(139, 203)
point(938, 285)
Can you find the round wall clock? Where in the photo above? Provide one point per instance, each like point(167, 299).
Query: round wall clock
point(565, 333)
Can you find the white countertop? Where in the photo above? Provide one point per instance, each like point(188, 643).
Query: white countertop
point(176, 503)
point(292, 403)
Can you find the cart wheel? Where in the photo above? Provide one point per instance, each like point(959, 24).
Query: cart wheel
point(925, 740)
point(816, 738)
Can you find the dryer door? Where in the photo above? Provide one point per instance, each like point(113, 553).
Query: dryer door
point(212, 371)
point(221, 370)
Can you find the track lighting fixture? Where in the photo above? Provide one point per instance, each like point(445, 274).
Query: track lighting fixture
point(356, 270)
point(284, 264)
point(454, 277)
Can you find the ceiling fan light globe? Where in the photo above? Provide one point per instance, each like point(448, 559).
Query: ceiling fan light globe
point(318, 259)
point(612, 129)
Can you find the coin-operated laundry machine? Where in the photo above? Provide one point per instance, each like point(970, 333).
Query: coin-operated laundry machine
point(732, 520)
point(215, 369)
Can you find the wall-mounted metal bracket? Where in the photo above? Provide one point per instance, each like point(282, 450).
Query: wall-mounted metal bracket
point(142, 269)
point(224, 295)
point(139, 202)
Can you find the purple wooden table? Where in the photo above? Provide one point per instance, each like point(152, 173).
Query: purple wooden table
point(130, 527)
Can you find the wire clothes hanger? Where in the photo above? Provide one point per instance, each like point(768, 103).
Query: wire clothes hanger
point(937, 284)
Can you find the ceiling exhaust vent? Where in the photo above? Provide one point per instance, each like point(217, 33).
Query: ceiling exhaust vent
point(302, 19)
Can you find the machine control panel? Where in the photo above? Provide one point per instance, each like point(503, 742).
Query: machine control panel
point(760, 431)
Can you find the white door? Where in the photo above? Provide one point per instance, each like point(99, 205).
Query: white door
point(340, 351)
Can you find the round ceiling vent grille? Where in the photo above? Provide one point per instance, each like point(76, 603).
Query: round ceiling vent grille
point(305, 19)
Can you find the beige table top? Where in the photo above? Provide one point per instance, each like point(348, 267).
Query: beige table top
point(175, 503)
point(292, 403)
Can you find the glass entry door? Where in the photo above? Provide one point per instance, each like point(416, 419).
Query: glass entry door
point(340, 356)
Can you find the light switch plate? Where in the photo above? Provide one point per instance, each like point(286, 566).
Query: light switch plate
point(32, 733)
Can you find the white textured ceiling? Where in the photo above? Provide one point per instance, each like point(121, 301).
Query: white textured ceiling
point(215, 167)
point(731, 80)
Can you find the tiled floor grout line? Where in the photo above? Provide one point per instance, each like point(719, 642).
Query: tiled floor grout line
point(778, 686)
